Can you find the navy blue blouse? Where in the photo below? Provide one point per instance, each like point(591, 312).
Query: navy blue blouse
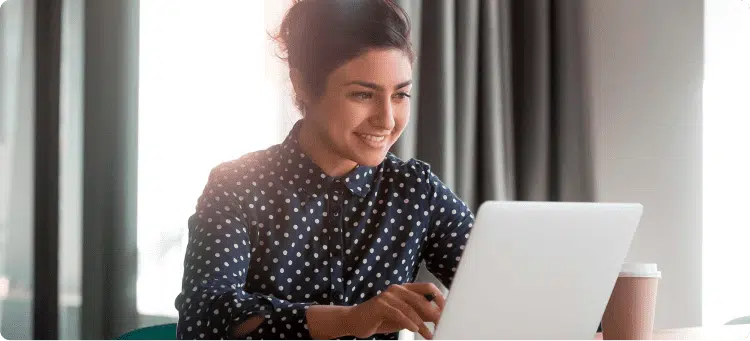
point(272, 235)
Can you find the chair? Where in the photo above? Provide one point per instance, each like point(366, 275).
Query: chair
point(158, 332)
point(739, 320)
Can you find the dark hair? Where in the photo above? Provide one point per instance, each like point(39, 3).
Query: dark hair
point(318, 36)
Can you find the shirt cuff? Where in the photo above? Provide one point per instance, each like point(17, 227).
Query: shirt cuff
point(282, 319)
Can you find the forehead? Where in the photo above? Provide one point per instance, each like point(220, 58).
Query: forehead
point(383, 66)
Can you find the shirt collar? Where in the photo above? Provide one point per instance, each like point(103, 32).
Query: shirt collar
point(300, 174)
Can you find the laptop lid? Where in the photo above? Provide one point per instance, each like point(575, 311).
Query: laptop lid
point(538, 270)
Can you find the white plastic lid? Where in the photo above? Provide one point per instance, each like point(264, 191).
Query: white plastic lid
point(640, 270)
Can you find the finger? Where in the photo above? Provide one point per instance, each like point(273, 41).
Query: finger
point(426, 310)
point(440, 300)
point(388, 327)
point(428, 288)
point(396, 315)
point(398, 303)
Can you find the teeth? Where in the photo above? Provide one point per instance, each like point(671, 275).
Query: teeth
point(373, 138)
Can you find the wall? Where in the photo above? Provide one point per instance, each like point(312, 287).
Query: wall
point(646, 74)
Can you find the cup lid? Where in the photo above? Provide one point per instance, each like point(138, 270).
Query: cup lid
point(640, 270)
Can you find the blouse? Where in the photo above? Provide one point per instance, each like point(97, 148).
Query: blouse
point(272, 235)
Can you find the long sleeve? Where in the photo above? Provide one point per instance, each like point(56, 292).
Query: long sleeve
point(450, 224)
point(215, 270)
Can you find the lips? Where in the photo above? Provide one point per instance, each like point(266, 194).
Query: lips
point(374, 141)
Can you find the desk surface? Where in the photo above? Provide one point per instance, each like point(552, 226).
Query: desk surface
point(735, 332)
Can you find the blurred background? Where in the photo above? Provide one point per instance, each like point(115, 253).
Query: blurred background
point(112, 114)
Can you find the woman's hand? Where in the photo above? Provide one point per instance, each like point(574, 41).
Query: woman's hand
point(398, 307)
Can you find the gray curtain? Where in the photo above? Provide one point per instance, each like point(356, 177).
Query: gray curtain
point(109, 94)
point(499, 109)
point(93, 293)
point(71, 65)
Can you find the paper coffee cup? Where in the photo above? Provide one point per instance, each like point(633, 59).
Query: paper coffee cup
point(647, 270)
point(631, 308)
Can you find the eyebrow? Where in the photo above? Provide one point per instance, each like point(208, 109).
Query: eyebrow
point(376, 86)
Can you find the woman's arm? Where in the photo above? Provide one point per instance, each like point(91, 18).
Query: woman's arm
point(212, 301)
point(324, 321)
point(450, 224)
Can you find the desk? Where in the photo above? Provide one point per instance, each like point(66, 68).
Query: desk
point(734, 332)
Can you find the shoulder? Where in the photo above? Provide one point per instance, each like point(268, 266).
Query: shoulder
point(415, 174)
point(232, 174)
point(412, 171)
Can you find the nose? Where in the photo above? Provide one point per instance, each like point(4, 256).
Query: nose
point(385, 118)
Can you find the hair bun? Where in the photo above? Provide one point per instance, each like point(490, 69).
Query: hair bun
point(317, 36)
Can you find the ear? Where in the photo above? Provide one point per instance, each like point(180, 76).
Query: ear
point(300, 86)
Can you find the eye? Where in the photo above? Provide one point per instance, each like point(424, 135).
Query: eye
point(402, 95)
point(362, 95)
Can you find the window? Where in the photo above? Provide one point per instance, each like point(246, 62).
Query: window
point(726, 169)
point(16, 169)
point(210, 91)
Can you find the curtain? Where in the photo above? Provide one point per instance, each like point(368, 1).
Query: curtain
point(499, 109)
point(68, 68)
point(110, 146)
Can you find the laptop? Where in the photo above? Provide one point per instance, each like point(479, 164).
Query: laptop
point(538, 270)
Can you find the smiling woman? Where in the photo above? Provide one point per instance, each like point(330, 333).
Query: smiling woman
point(362, 113)
point(351, 76)
point(321, 236)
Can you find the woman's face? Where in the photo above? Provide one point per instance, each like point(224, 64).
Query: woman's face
point(364, 108)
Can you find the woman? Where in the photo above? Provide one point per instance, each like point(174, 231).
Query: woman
point(321, 235)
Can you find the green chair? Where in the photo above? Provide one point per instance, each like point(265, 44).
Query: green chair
point(158, 332)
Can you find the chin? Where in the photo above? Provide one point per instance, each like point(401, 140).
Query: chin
point(369, 158)
point(368, 153)
point(371, 161)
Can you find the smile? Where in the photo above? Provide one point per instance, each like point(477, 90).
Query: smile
point(375, 141)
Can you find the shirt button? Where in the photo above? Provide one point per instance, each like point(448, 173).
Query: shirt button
point(336, 210)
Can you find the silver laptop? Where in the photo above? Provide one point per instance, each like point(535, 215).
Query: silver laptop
point(538, 270)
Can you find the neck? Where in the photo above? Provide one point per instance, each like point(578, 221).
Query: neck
point(318, 149)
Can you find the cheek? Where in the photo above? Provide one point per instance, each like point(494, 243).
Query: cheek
point(401, 116)
point(342, 115)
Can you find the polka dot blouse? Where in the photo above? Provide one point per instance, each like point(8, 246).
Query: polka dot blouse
point(273, 235)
